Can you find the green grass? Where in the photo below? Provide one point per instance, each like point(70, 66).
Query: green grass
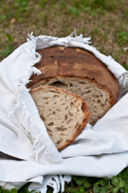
point(106, 22)
point(10, 46)
point(122, 38)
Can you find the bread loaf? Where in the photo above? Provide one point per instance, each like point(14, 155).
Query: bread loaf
point(64, 114)
point(79, 72)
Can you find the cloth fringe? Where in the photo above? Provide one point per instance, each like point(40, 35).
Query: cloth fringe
point(57, 183)
point(123, 79)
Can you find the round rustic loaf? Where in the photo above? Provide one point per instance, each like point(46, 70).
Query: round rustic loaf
point(80, 72)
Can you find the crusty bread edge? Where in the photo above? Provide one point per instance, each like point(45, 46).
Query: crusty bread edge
point(85, 110)
point(80, 128)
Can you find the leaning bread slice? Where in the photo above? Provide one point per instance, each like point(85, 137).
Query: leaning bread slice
point(64, 114)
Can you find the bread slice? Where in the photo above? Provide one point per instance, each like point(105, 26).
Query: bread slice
point(79, 72)
point(64, 114)
point(97, 98)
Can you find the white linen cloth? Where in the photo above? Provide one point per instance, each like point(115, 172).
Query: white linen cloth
point(100, 151)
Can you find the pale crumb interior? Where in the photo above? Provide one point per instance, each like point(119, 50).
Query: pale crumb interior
point(98, 99)
point(62, 114)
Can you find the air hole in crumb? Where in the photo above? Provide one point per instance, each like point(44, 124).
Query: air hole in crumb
point(82, 83)
point(98, 101)
point(70, 120)
point(43, 118)
point(58, 84)
point(71, 104)
point(60, 128)
point(50, 124)
point(58, 142)
point(46, 98)
point(53, 91)
point(69, 141)
point(66, 117)
point(49, 130)
point(88, 91)
point(55, 96)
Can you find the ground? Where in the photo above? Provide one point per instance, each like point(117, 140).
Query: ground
point(106, 21)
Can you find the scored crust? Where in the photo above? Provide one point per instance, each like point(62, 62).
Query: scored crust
point(59, 61)
point(84, 108)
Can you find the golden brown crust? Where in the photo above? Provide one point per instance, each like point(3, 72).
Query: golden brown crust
point(75, 62)
point(84, 108)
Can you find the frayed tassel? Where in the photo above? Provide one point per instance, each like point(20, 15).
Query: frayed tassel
point(66, 41)
point(64, 179)
point(56, 182)
point(47, 41)
point(31, 37)
point(73, 33)
point(25, 79)
point(79, 38)
point(111, 58)
point(123, 80)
